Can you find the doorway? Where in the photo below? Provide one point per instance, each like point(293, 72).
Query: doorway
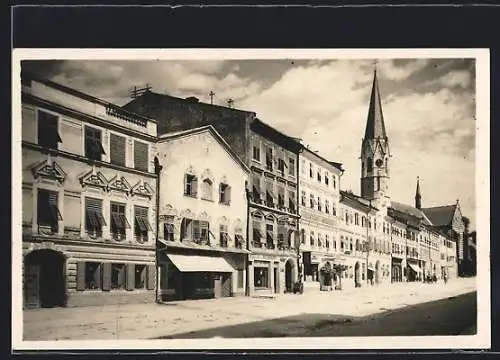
point(44, 279)
point(357, 275)
point(276, 280)
point(288, 276)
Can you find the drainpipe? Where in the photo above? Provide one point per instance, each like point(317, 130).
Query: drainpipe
point(157, 170)
point(247, 243)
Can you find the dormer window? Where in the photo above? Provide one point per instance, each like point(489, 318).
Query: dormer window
point(48, 134)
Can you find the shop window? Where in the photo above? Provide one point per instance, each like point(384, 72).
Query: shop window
point(225, 194)
point(94, 220)
point(48, 134)
point(92, 276)
point(48, 214)
point(93, 144)
point(118, 276)
point(190, 185)
point(140, 277)
point(261, 277)
point(119, 222)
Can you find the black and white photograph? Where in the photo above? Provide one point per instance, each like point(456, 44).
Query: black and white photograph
point(264, 199)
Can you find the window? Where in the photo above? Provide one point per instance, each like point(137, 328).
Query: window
point(92, 276)
point(118, 276)
point(47, 211)
point(256, 151)
point(48, 134)
point(140, 276)
point(334, 210)
point(269, 194)
point(256, 188)
point(119, 222)
point(190, 185)
point(369, 165)
point(356, 219)
point(206, 189)
point(117, 149)
point(225, 194)
point(257, 234)
point(142, 225)
point(327, 242)
point(310, 170)
point(140, 156)
point(239, 240)
point(93, 144)
point(327, 207)
point(312, 201)
point(223, 236)
point(270, 236)
point(281, 196)
point(269, 158)
point(319, 203)
point(169, 228)
point(261, 277)
point(195, 230)
point(281, 166)
point(291, 201)
point(311, 238)
point(334, 181)
point(240, 279)
point(291, 166)
point(327, 181)
point(319, 176)
point(303, 169)
point(320, 243)
point(303, 198)
point(94, 220)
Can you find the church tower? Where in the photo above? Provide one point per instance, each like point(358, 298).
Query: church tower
point(375, 152)
point(418, 196)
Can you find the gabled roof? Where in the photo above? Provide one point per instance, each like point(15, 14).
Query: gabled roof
point(375, 127)
point(411, 211)
point(440, 215)
point(358, 202)
point(216, 135)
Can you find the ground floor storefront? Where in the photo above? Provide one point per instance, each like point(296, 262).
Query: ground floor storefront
point(397, 274)
point(67, 273)
point(272, 274)
point(190, 274)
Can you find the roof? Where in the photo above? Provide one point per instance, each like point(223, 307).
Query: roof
point(211, 129)
point(440, 215)
point(351, 199)
point(411, 211)
point(336, 165)
point(375, 127)
point(84, 96)
point(258, 125)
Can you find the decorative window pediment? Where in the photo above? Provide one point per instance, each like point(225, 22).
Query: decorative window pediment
point(203, 216)
point(95, 179)
point(207, 174)
point(190, 171)
point(168, 210)
point(223, 180)
point(119, 183)
point(50, 170)
point(142, 189)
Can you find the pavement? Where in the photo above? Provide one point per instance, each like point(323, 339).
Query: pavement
point(313, 313)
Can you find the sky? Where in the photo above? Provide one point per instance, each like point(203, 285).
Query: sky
point(428, 106)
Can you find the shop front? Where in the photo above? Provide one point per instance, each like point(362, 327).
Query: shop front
point(396, 270)
point(188, 276)
point(414, 271)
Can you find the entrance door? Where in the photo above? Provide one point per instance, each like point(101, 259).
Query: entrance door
point(45, 284)
point(217, 286)
point(288, 276)
point(276, 282)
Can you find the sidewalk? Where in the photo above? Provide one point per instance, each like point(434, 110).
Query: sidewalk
point(141, 321)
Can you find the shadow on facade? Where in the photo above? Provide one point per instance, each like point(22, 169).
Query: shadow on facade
point(436, 318)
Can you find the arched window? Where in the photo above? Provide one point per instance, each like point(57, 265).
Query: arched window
point(224, 194)
point(190, 185)
point(206, 189)
point(369, 164)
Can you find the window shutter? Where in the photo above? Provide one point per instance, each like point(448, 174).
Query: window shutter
point(117, 149)
point(228, 194)
point(151, 277)
point(130, 278)
point(140, 155)
point(80, 276)
point(106, 276)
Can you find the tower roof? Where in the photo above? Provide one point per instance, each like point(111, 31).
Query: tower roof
point(375, 127)
point(417, 193)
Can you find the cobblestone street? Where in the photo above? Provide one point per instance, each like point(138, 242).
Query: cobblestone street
point(146, 321)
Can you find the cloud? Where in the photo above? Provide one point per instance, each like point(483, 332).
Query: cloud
point(456, 78)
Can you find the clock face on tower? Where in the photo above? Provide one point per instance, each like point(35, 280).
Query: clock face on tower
point(379, 162)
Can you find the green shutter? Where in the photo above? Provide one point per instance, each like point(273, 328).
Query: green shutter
point(130, 278)
point(106, 276)
point(151, 277)
point(80, 276)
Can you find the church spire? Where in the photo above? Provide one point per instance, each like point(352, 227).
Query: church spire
point(418, 196)
point(375, 127)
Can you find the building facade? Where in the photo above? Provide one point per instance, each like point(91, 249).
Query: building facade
point(88, 190)
point(203, 216)
point(319, 199)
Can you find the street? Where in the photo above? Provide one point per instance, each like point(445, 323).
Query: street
point(394, 309)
